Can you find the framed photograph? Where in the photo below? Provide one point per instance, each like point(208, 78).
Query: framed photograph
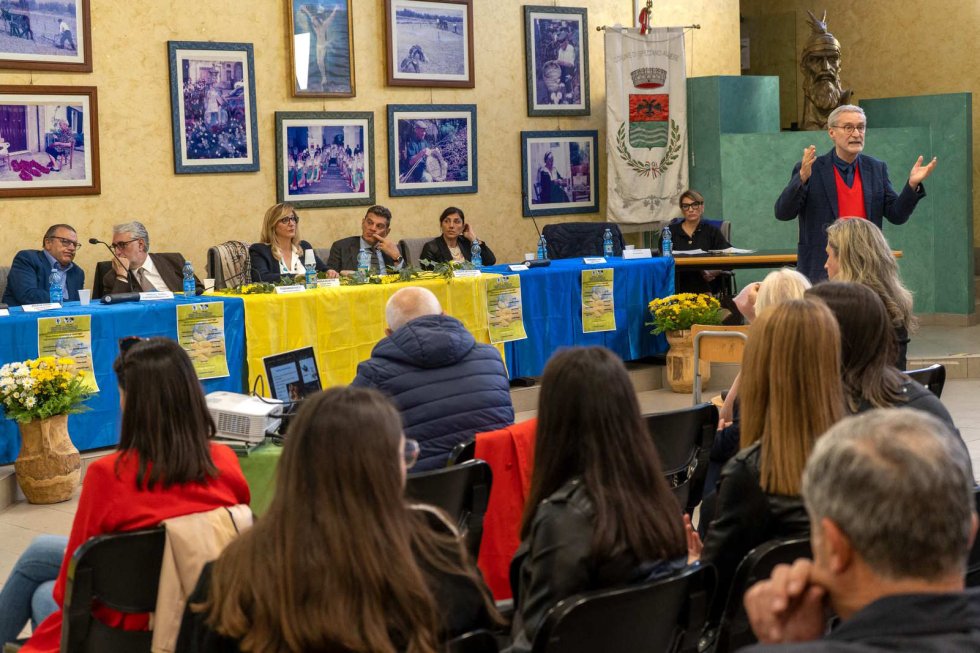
point(561, 174)
point(49, 141)
point(430, 42)
point(556, 45)
point(39, 35)
point(212, 99)
point(431, 149)
point(321, 45)
point(325, 159)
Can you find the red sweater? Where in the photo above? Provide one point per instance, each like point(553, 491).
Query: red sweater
point(111, 503)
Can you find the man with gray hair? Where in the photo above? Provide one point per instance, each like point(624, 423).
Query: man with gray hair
point(135, 269)
point(892, 517)
point(446, 385)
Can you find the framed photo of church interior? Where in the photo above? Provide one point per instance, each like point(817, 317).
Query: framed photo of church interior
point(431, 149)
point(429, 43)
point(556, 51)
point(560, 172)
point(49, 141)
point(46, 35)
point(321, 48)
point(324, 158)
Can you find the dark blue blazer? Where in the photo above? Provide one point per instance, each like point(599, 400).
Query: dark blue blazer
point(815, 203)
point(265, 267)
point(28, 279)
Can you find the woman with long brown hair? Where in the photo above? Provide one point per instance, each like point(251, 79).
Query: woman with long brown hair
point(280, 252)
point(339, 562)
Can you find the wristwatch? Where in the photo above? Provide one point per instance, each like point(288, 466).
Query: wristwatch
point(399, 260)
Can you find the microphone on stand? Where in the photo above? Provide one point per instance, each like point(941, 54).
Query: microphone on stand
point(129, 273)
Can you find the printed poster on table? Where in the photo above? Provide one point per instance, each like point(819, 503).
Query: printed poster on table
point(201, 332)
point(68, 336)
point(505, 311)
point(598, 311)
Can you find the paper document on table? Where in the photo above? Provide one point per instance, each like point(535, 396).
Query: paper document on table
point(732, 250)
point(690, 252)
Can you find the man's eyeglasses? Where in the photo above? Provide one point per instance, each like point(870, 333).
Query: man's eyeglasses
point(74, 244)
point(411, 453)
point(121, 245)
point(125, 344)
point(686, 206)
point(289, 218)
point(849, 128)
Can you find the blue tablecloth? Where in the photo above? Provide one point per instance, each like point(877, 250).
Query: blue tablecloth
point(99, 427)
point(552, 298)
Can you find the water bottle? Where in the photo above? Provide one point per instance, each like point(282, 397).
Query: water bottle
point(476, 258)
point(310, 266)
point(666, 244)
point(55, 292)
point(607, 244)
point(363, 264)
point(542, 248)
point(190, 286)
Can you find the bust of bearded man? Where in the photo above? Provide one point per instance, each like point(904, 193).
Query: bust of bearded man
point(820, 63)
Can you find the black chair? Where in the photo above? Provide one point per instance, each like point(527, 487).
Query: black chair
point(462, 452)
point(683, 439)
point(932, 377)
point(573, 239)
point(973, 562)
point(462, 491)
point(120, 571)
point(661, 615)
point(477, 641)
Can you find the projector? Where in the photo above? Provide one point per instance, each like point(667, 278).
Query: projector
point(243, 417)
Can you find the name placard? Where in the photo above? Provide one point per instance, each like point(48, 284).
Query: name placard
point(328, 283)
point(630, 254)
point(37, 308)
point(4, 312)
point(466, 273)
point(518, 268)
point(156, 296)
point(286, 290)
point(591, 260)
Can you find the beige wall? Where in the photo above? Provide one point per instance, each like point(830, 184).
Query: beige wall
point(188, 213)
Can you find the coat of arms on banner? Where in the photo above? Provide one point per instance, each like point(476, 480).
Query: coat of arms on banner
point(650, 126)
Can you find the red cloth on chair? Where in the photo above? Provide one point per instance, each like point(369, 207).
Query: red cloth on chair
point(510, 454)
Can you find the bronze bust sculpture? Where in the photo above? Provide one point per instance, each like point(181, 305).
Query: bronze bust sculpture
point(820, 63)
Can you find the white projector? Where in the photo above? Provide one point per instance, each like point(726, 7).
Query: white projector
point(243, 417)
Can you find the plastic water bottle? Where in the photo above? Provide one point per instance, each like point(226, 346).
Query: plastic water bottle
point(363, 264)
point(310, 266)
point(476, 258)
point(666, 244)
point(607, 243)
point(542, 247)
point(190, 286)
point(55, 293)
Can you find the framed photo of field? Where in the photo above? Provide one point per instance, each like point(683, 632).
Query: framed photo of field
point(321, 45)
point(556, 45)
point(429, 42)
point(560, 172)
point(49, 141)
point(46, 35)
point(431, 149)
point(324, 158)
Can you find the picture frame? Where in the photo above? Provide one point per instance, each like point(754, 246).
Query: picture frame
point(325, 158)
point(212, 100)
point(431, 149)
point(556, 52)
point(321, 48)
point(49, 141)
point(429, 43)
point(569, 182)
point(32, 39)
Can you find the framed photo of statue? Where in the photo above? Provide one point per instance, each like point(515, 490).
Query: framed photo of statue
point(212, 100)
point(431, 149)
point(321, 48)
point(325, 158)
point(429, 43)
point(39, 35)
point(556, 50)
point(560, 172)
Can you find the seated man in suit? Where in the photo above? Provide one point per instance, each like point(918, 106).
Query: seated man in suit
point(375, 228)
point(137, 270)
point(27, 282)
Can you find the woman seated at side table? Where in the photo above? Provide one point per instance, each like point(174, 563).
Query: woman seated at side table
point(455, 242)
point(691, 232)
point(280, 252)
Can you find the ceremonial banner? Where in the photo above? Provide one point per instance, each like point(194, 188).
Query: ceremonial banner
point(646, 123)
point(68, 336)
point(505, 311)
point(598, 309)
point(201, 332)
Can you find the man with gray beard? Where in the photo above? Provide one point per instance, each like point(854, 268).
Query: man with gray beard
point(820, 63)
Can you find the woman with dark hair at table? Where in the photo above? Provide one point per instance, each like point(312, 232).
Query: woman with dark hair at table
point(691, 232)
point(456, 242)
point(280, 252)
point(165, 467)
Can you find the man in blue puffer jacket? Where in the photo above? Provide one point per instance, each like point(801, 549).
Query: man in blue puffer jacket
point(446, 385)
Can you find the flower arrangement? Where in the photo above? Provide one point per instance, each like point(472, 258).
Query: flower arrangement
point(678, 312)
point(42, 387)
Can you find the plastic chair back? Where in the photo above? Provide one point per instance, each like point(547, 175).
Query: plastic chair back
point(229, 264)
point(4, 273)
point(932, 377)
point(573, 239)
point(462, 491)
point(411, 249)
point(716, 344)
point(683, 439)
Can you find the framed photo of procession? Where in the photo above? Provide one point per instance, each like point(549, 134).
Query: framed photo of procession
point(429, 43)
point(431, 149)
point(325, 159)
point(49, 141)
point(556, 51)
point(321, 48)
point(212, 100)
point(560, 172)
point(46, 35)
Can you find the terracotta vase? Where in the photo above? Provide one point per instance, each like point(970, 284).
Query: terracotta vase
point(48, 464)
point(680, 362)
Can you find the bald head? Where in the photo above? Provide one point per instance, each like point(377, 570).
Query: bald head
point(408, 304)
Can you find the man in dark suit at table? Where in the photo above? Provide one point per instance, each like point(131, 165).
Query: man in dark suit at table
point(375, 228)
point(27, 282)
point(843, 183)
point(136, 269)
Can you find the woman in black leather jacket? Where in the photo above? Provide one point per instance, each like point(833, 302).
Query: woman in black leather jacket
point(599, 512)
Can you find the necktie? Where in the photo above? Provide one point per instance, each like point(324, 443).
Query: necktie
point(144, 282)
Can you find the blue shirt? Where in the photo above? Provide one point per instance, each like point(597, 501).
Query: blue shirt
point(378, 264)
point(845, 169)
point(62, 268)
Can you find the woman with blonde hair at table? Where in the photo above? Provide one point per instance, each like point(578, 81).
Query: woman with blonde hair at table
point(280, 252)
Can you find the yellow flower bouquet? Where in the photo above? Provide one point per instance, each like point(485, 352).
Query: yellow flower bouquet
point(678, 312)
point(42, 387)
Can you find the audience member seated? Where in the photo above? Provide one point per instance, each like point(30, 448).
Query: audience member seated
point(27, 282)
point(599, 512)
point(891, 507)
point(857, 251)
point(375, 231)
point(455, 242)
point(165, 467)
point(280, 252)
point(691, 232)
point(447, 386)
point(358, 569)
point(147, 272)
